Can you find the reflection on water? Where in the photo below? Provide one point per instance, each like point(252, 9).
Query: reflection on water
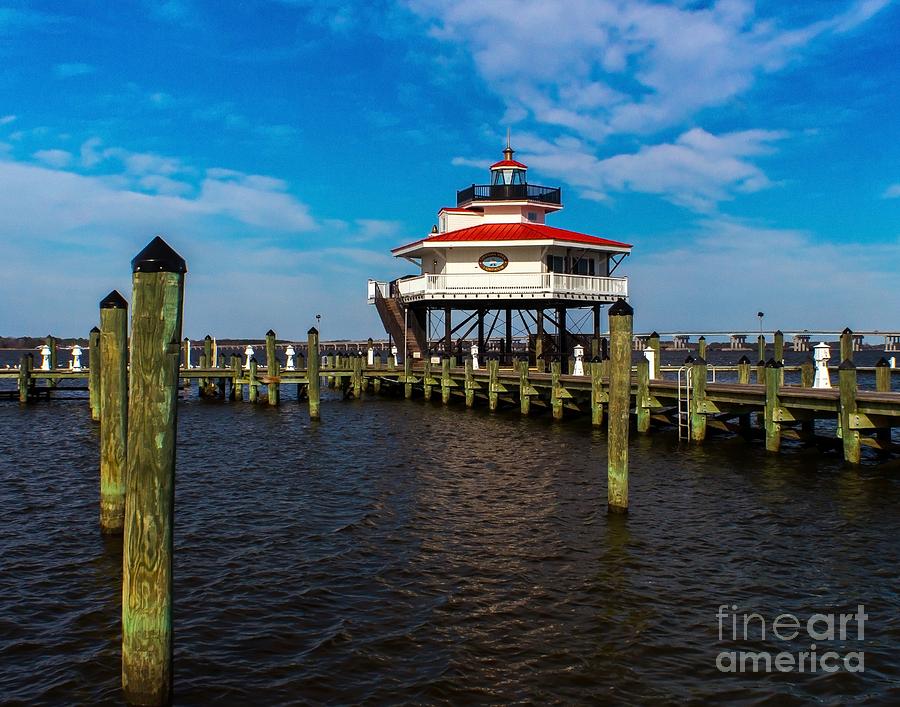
point(405, 552)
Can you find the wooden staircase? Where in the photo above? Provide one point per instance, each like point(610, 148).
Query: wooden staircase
point(390, 309)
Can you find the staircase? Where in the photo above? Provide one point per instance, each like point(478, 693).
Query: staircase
point(390, 309)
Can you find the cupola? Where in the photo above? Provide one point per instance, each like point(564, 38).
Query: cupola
point(508, 170)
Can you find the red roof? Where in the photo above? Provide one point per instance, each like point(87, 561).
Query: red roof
point(508, 163)
point(515, 232)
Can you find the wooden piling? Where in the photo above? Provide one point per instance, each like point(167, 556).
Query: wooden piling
point(208, 362)
point(621, 316)
point(883, 385)
point(220, 364)
point(778, 343)
point(807, 377)
point(273, 369)
point(847, 345)
point(113, 411)
point(253, 385)
point(772, 422)
point(26, 363)
point(807, 373)
point(426, 378)
point(157, 298)
point(407, 378)
point(761, 346)
point(524, 387)
point(237, 388)
point(698, 398)
point(761, 372)
point(358, 376)
point(701, 347)
point(849, 436)
point(446, 380)
point(493, 366)
point(94, 373)
point(597, 392)
point(54, 360)
point(312, 372)
point(556, 401)
point(642, 399)
point(744, 379)
point(470, 383)
point(744, 370)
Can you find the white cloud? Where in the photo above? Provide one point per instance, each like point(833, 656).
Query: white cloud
point(697, 170)
point(892, 192)
point(54, 158)
point(731, 269)
point(592, 69)
point(69, 239)
point(6, 119)
point(256, 201)
point(65, 71)
point(599, 67)
point(164, 185)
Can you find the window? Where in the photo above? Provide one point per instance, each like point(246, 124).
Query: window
point(584, 266)
point(532, 216)
point(556, 263)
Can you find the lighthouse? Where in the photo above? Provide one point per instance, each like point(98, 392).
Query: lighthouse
point(493, 270)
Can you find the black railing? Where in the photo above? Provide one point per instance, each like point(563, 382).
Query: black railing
point(508, 192)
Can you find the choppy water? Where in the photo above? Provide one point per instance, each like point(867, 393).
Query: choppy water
point(403, 552)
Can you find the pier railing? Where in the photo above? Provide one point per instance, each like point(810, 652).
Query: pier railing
point(540, 284)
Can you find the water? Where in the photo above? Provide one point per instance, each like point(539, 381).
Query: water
point(403, 552)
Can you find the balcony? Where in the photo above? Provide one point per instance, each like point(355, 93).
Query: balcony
point(509, 192)
point(517, 286)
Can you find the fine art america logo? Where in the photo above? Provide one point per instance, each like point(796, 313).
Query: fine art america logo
point(811, 632)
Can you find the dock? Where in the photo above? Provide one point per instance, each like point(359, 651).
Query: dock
point(691, 399)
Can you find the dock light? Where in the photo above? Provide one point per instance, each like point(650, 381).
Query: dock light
point(760, 315)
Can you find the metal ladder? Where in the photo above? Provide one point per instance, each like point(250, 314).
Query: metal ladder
point(684, 402)
point(684, 398)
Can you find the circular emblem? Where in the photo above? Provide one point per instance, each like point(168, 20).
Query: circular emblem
point(493, 262)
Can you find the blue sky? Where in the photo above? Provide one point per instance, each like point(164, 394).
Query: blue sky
point(749, 150)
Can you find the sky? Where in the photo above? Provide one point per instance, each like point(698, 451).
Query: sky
point(749, 150)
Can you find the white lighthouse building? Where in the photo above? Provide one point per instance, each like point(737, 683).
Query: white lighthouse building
point(492, 258)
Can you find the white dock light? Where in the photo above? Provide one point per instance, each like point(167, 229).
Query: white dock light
point(290, 353)
point(45, 358)
point(650, 355)
point(821, 355)
point(248, 352)
point(579, 360)
point(76, 358)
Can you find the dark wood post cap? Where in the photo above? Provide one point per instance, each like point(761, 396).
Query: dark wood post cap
point(621, 309)
point(158, 256)
point(113, 301)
